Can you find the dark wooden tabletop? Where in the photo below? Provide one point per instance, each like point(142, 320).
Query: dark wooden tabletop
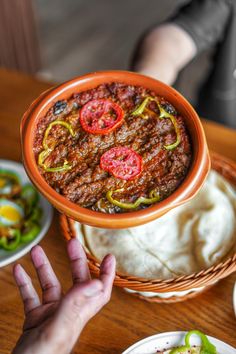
point(125, 319)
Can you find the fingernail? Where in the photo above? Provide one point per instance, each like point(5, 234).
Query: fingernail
point(109, 261)
point(38, 256)
point(92, 289)
point(109, 258)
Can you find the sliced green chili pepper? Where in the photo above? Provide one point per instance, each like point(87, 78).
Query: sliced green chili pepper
point(163, 114)
point(11, 174)
point(36, 214)
point(62, 168)
point(139, 111)
point(30, 195)
point(43, 155)
point(206, 347)
point(56, 122)
point(141, 200)
point(14, 243)
point(31, 231)
point(47, 150)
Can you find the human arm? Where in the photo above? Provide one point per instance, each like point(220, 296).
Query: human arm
point(164, 52)
point(168, 47)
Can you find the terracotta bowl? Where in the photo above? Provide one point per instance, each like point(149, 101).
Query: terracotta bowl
point(196, 176)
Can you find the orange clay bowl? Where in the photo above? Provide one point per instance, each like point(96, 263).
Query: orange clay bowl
point(194, 283)
point(192, 183)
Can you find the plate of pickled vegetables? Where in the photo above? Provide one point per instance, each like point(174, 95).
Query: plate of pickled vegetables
point(192, 342)
point(25, 215)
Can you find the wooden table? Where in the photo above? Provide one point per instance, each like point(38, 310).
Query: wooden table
point(125, 319)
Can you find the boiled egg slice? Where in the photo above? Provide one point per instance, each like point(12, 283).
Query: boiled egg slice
point(5, 186)
point(10, 213)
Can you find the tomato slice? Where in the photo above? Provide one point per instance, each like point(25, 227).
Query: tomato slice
point(122, 162)
point(101, 116)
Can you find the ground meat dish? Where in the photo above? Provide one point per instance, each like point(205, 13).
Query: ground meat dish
point(82, 180)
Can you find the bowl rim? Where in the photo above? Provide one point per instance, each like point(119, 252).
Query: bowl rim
point(188, 188)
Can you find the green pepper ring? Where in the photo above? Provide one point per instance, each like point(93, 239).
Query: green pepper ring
point(154, 197)
point(207, 346)
point(32, 233)
point(163, 114)
point(47, 150)
point(12, 245)
point(11, 174)
point(29, 194)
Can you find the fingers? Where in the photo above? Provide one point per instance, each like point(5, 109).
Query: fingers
point(86, 298)
point(78, 260)
point(107, 273)
point(50, 285)
point(28, 293)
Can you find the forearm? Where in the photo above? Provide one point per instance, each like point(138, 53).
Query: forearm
point(164, 52)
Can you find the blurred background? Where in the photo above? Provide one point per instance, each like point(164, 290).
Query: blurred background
point(57, 39)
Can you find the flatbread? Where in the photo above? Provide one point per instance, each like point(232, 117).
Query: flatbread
point(187, 239)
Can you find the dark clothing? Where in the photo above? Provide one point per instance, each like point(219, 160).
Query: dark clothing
point(204, 20)
point(213, 23)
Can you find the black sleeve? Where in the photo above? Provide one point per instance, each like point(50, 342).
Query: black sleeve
point(204, 20)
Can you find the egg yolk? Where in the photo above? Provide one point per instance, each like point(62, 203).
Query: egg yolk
point(10, 213)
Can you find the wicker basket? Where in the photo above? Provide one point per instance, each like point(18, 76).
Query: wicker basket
point(200, 281)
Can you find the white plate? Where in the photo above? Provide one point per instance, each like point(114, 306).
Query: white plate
point(168, 340)
point(7, 257)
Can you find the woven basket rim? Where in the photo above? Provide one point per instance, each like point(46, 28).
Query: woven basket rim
point(205, 277)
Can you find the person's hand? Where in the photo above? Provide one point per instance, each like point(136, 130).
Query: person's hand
point(54, 325)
